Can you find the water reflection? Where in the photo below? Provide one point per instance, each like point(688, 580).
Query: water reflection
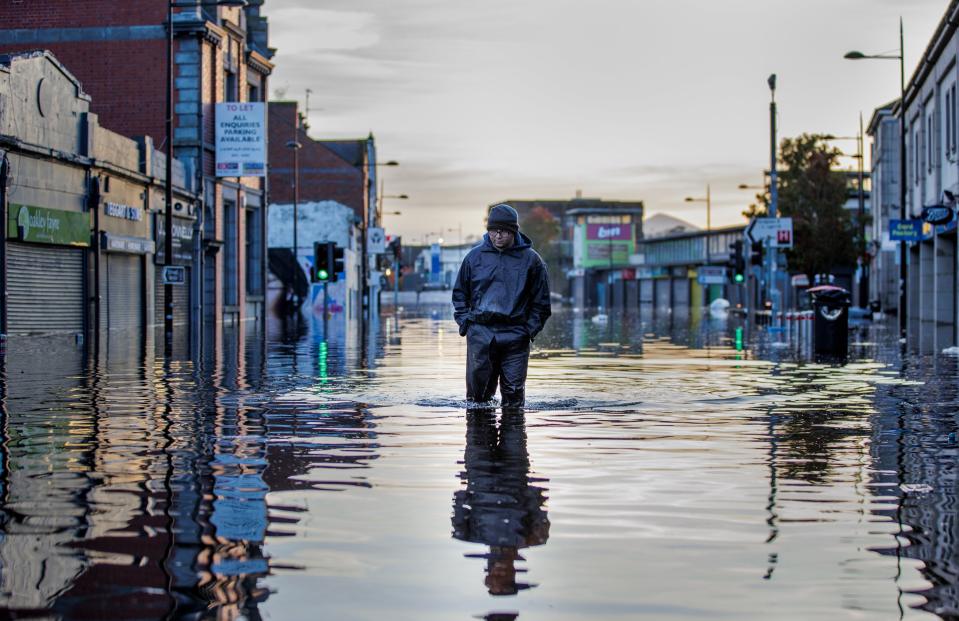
point(501, 506)
point(259, 481)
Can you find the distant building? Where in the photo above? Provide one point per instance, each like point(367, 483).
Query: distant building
point(660, 224)
point(589, 259)
point(884, 205)
point(337, 198)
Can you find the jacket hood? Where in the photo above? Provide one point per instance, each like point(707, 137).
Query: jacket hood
point(521, 242)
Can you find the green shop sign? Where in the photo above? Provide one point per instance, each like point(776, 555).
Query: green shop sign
point(48, 226)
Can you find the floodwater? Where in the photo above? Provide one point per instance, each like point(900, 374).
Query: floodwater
point(328, 473)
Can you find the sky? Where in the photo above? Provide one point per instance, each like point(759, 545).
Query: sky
point(619, 99)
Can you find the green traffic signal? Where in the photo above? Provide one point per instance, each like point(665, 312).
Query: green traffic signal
point(739, 278)
point(322, 275)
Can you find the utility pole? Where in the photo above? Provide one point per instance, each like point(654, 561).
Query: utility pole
point(772, 257)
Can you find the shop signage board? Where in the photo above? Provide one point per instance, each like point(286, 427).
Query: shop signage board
point(48, 226)
point(711, 275)
point(240, 139)
point(125, 212)
point(906, 230)
point(183, 240)
point(124, 243)
point(604, 245)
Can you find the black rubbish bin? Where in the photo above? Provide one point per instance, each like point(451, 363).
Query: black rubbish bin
point(831, 322)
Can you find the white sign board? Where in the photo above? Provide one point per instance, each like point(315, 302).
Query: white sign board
point(240, 139)
point(173, 275)
point(773, 232)
point(375, 240)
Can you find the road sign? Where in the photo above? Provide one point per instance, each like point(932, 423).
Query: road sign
point(173, 275)
point(774, 232)
point(711, 275)
point(375, 240)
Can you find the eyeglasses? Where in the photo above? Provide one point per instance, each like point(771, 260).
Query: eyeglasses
point(498, 232)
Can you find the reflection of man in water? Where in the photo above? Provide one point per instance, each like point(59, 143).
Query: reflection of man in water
point(499, 506)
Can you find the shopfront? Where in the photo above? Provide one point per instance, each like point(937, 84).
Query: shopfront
point(124, 245)
point(46, 261)
point(184, 244)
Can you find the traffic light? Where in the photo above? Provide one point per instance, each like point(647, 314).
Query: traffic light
point(322, 261)
point(756, 253)
point(339, 266)
point(737, 263)
point(395, 247)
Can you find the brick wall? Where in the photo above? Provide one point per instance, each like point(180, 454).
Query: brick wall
point(81, 14)
point(323, 174)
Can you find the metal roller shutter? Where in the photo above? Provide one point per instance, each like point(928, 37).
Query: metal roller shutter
point(45, 289)
point(124, 292)
point(181, 301)
point(680, 293)
point(663, 296)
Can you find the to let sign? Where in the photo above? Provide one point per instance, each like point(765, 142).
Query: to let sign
point(240, 139)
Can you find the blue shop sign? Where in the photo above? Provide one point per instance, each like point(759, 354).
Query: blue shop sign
point(905, 230)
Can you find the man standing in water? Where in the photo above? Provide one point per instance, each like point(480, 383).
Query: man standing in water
point(500, 301)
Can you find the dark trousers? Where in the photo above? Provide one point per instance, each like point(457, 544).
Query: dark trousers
point(497, 355)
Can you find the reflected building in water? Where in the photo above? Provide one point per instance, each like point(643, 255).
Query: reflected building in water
point(502, 504)
point(915, 477)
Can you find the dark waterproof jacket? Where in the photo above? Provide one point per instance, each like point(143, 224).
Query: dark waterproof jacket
point(502, 288)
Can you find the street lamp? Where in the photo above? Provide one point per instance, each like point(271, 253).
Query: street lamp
point(168, 185)
point(296, 146)
point(709, 205)
point(861, 211)
point(692, 199)
point(902, 165)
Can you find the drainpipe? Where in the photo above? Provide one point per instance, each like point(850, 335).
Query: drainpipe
point(93, 204)
point(4, 176)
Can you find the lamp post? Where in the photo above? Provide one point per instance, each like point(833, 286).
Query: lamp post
point(901, 311)
point(168, 184)
point(369, 214)
point(296, 146)
point(709, 210)
point(860, 212)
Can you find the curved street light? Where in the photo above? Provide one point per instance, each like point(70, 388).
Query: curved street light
point(903, 272)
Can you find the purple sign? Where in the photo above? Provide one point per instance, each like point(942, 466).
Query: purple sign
point(609, 231)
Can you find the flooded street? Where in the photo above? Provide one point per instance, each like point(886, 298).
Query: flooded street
point(658, 473)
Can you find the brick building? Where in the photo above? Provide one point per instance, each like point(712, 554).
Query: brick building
point(331, 174)
point(118, 51)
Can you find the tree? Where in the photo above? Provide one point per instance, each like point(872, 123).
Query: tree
point(544, 229)
point(812, 192)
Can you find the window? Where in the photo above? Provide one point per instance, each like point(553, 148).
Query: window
point(930, 140)
point(254, 277)
point(951, 111)
point(916, 150)
point(230, 251)
point(947, 122)
point(230, 92)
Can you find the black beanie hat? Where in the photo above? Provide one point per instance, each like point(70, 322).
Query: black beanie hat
point(503, 216)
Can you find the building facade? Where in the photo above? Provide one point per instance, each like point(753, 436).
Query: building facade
point(118, 51)
point(81, 209)
point(589, 253)
point(932, 177)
